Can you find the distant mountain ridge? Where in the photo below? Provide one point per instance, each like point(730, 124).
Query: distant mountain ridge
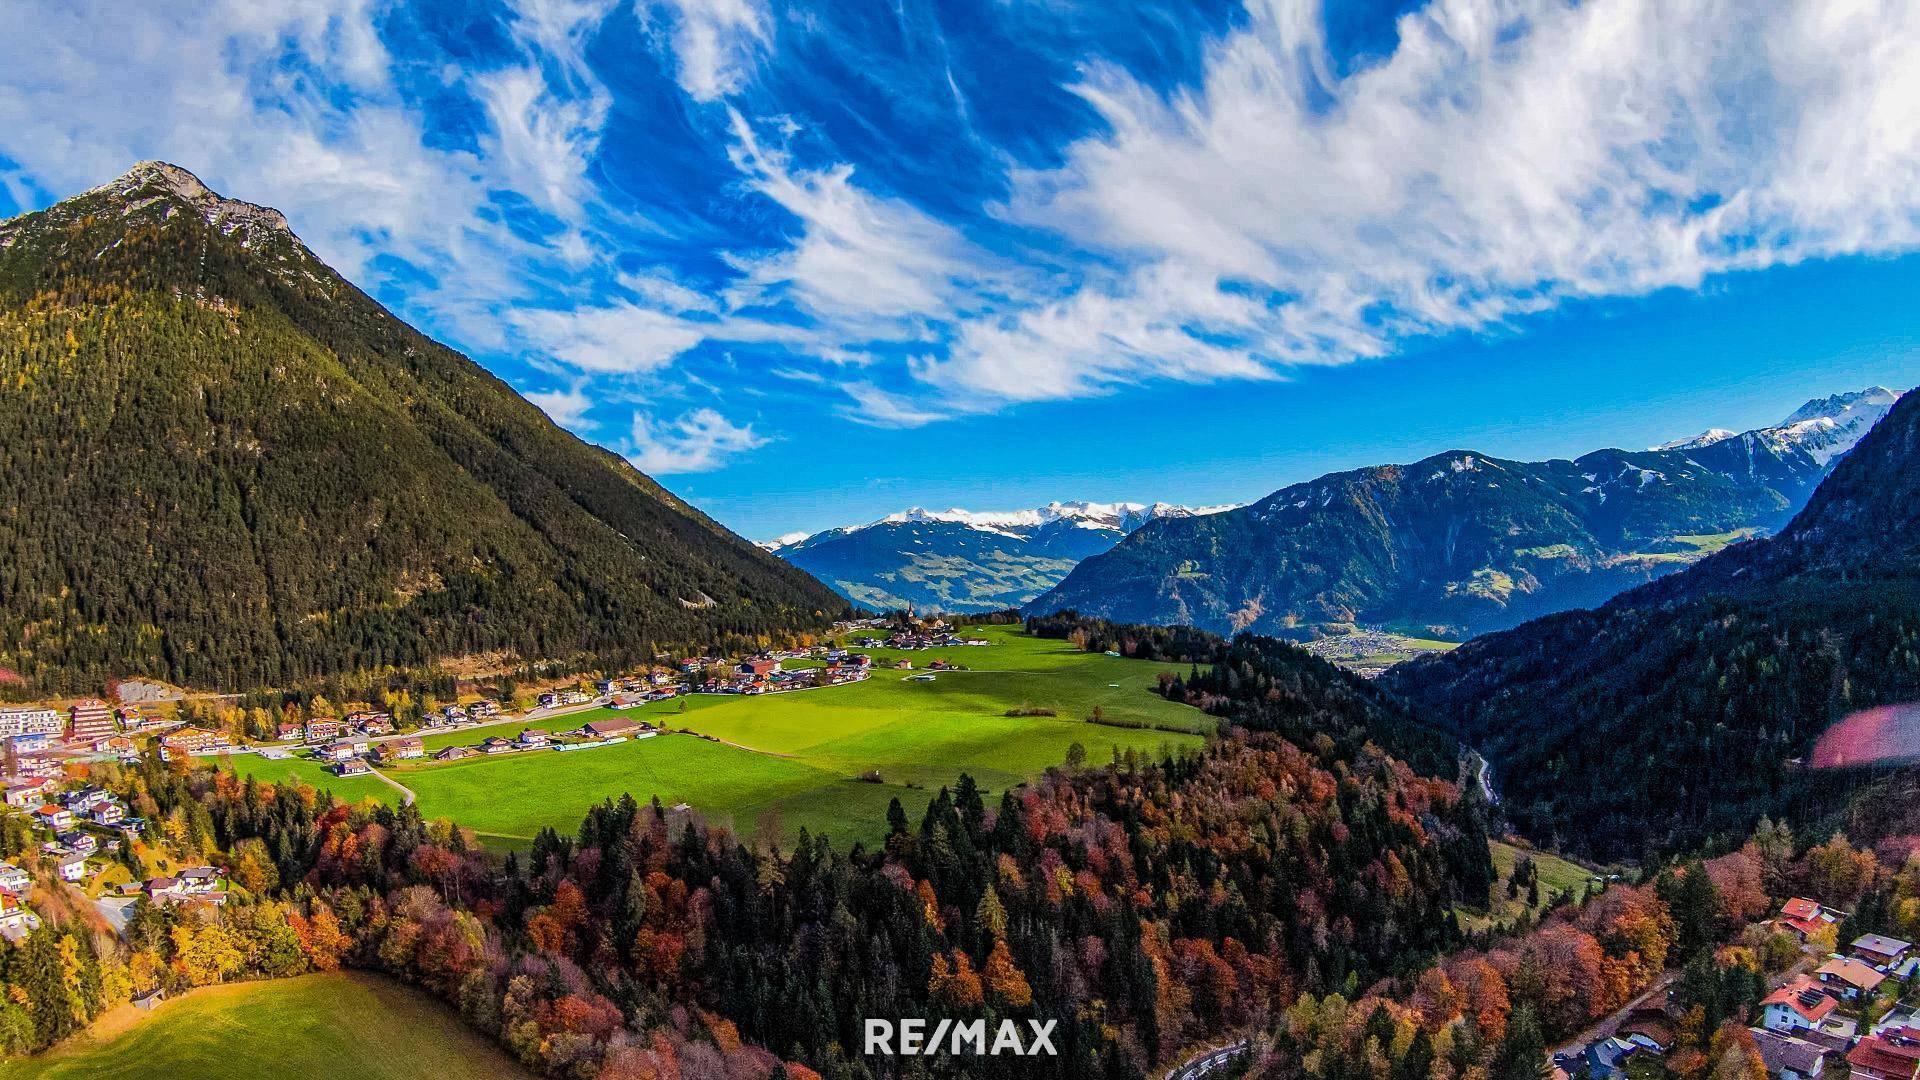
point(1681, 711)
point(1461, 543)
point(238, 469)
point(966, 561)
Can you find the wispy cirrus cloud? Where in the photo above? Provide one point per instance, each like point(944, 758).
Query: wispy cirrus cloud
point(696, 441)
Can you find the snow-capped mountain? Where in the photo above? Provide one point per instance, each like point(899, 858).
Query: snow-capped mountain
point(967, 560)
point(1460, 543)
point(1824, 428)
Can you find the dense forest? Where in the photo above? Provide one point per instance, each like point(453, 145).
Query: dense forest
point(1144, 906)
point(1681, 712)
point(225, 466)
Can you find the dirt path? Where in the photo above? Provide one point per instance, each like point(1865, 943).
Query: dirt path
point(406, 793)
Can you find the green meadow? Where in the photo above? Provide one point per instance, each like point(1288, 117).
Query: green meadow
point(805, 759)
point(343, 1026)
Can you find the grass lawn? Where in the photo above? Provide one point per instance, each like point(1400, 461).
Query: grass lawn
point(314, 774)
point(343, 1026)
point(795, 757)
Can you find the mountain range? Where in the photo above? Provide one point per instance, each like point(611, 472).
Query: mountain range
point(1462, 543)
point(965, 561)
point(1683, 710)
point(226, 466)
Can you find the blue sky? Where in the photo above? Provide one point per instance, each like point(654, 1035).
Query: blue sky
point(813, 262)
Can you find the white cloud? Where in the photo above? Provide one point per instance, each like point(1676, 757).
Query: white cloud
point(568, 407)
point(715, 43)
point(1507, 156)
point(620, 338)
point(698, 441)
point(869, 265)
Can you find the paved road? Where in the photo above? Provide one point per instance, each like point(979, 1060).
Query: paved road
point(1210, 1061)
point(406, 793)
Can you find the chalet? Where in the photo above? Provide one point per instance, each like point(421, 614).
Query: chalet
point(903, 664)
point(290, 731)
point(454, 714)
point(494, 744)
point(54, 818)
point(1799, 1005)
point(1804, 916)
point(548, 701)
point(113, 744)
point(322, 728)
point(758, 668)
point(375, 724)
point(83, 843)
point(1883, 1057)
point(483, 710)
point(453, 753)
point(627, 701)
point(89, 719)
point(14, 880)
point(199, 879)
point(353, 767)
point(1848, 979)
point(107, 813)
point(607, 729)
point(534, 739)
point(1787, 1057)
point(401, 749)
point(193, 740)
point(73, 867)
point(86, 799)
point(1879, 950)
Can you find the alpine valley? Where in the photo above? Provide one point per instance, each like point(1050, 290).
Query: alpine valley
point(1462, 543)
point(962, 561)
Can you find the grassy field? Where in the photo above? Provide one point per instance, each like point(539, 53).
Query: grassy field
point(1557, 875)
point(793, 760)
point(347, 1027)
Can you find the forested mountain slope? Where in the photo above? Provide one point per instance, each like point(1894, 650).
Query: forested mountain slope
point(1673, 713)
point(1461, 543)
point(224, 465)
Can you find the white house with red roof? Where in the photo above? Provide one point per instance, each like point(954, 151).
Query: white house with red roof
point(1804, 916)
point(1800, 1005)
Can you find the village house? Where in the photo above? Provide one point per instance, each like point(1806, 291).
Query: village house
point(16, 922)
point(291, 731)
point(1848, 979)
point(1884, 1057)
point(14, 880)
point(26, 793)
point(1879, 950)
point(1787, 1057)
point(193, 740)
point(548, 701)
point(113, 744)
point(454, 714)
point(73, 867)
point(401, 749)
point(44, 766)
point(1798, 1006)
point(86, 799)
point(1804, 916)
point(352, 767)
point(534, 739)
point(82, 842)
point(627, 701)
point(54, 818)
point(453, 753)
point(322, 728)
point(343, 750)
point(757, 668)
point(107, 813)
point(376, 724)
point(483, 710)
point(494, 744)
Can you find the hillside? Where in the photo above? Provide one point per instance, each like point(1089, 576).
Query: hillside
point(1461, 543)
point(225, 466)
point(961, 561)
point(1677, 712)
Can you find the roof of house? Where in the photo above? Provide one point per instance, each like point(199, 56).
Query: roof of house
point(1852, 972)
point(1784, 1052)
point(1800, 908)
point(609, 727)
point(1881, 943)
point(1885, 1056)
point(1803, 996)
